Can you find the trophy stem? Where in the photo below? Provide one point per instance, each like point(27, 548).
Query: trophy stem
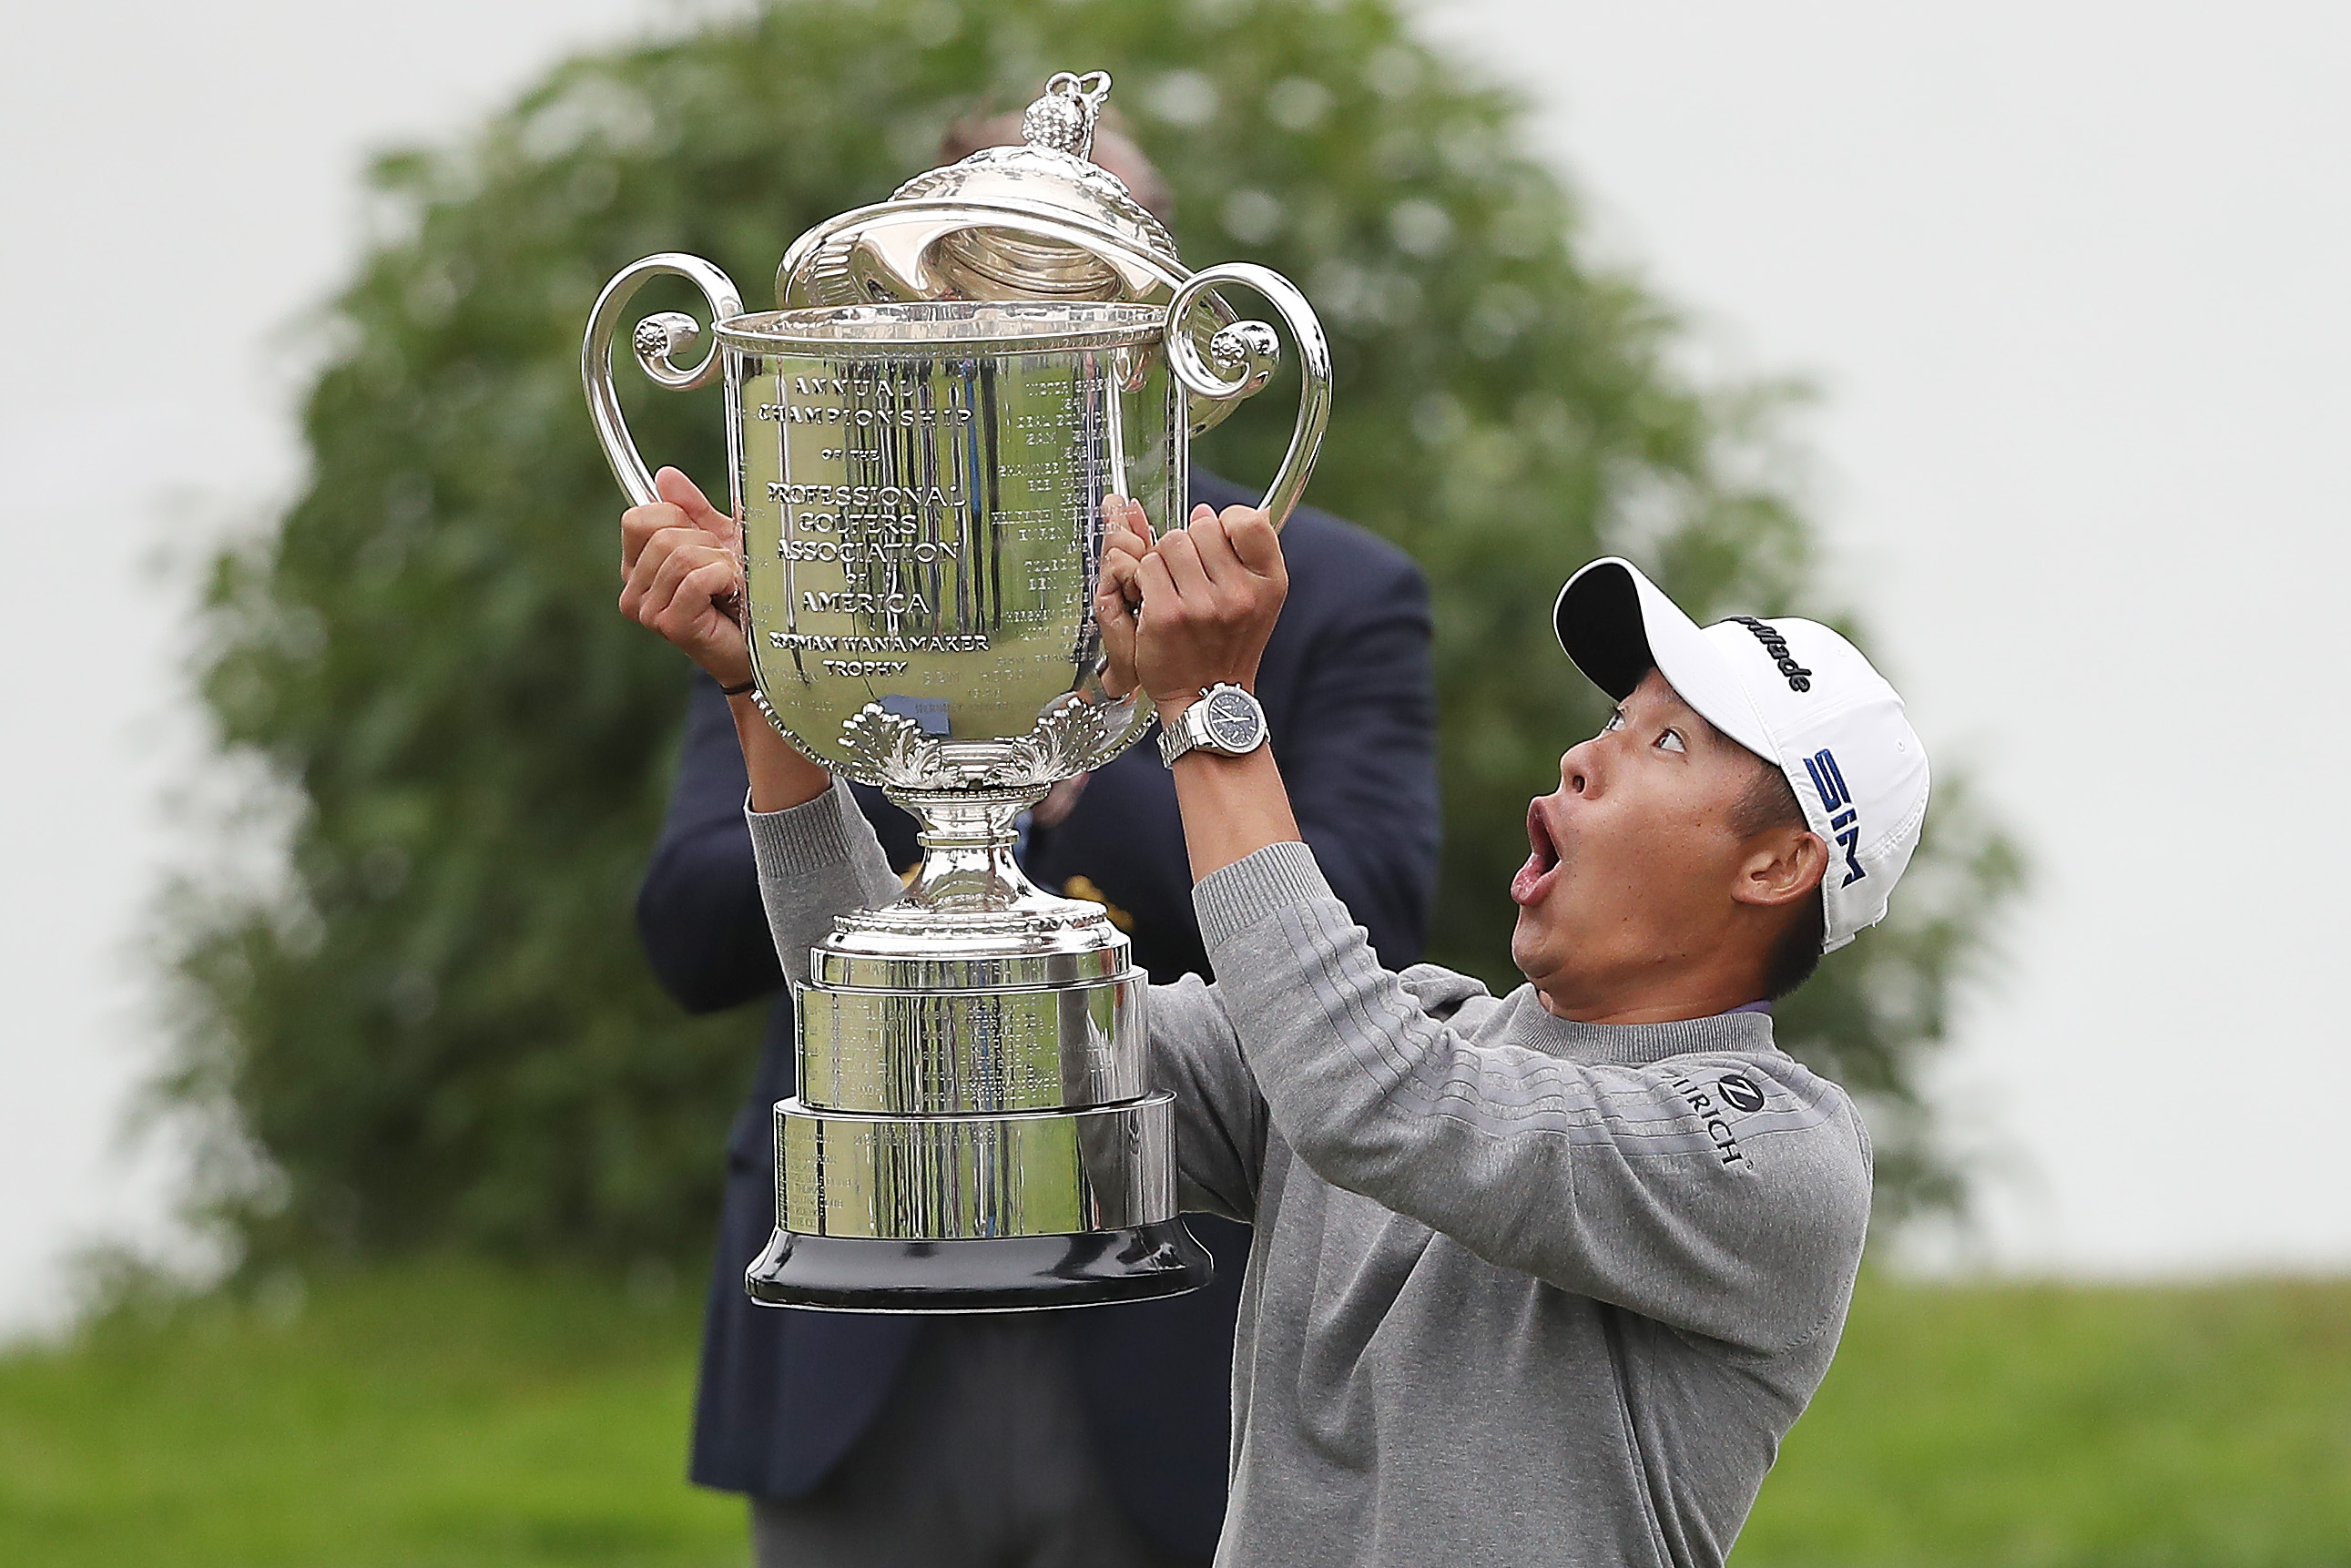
point(970, 853)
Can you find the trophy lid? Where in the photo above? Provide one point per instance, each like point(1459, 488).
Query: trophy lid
point(931, 240)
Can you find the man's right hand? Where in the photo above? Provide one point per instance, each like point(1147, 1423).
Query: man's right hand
point(1126, 541)
point(682, 575)
point(682, 568)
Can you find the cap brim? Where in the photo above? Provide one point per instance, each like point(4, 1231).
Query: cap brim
point(1617, 626)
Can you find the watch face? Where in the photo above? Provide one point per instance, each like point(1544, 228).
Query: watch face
point(1232, 722)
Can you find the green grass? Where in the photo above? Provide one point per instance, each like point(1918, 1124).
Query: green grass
point(431, 1417)
point(442, 1416)
point(2046, 1427)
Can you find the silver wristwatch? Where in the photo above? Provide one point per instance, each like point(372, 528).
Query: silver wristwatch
point(1227, 720)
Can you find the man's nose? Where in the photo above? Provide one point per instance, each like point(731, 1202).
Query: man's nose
point(1575, 772)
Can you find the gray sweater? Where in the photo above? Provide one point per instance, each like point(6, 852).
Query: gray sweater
point(1522, 1292)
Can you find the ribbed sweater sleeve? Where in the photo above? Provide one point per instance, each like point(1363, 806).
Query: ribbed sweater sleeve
point(816, 861)
point(1608, 1169)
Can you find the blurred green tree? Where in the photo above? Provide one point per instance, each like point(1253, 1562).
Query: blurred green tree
point(438, 1030)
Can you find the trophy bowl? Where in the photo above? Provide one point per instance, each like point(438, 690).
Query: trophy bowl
point(920, 481)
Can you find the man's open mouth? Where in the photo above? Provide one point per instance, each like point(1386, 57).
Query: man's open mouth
point(1534, 877)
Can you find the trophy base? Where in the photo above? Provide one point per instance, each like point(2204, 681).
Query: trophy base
point(1006, 1274)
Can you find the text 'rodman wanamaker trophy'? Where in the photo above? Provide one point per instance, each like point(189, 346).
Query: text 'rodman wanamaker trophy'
point(921, 439)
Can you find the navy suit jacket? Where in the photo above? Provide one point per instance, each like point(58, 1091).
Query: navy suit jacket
point(1347, 688)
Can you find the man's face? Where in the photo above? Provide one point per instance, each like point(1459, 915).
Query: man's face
point(1634, 856)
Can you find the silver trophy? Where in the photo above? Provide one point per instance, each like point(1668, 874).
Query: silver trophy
point(921, 441)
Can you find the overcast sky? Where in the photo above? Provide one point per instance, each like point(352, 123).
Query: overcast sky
point(2074, 277)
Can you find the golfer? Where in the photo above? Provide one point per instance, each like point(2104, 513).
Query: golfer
point(1541, 1278)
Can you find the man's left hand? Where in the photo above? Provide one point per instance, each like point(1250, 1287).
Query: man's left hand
point(1211, 591)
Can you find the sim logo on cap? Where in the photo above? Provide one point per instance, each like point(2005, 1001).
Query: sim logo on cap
point(1838, 801)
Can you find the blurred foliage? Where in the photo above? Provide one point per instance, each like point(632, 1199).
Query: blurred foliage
point(441, 1029)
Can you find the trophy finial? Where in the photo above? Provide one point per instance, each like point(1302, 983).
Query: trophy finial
point(960, 251)
point(1063, 119)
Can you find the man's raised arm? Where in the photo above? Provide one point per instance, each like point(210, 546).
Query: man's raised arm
point(680, 566)
point(1629, 1175)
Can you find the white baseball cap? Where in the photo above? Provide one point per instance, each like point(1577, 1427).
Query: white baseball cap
point(1794, 693)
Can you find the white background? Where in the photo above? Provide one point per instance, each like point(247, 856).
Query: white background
point(2073, 277)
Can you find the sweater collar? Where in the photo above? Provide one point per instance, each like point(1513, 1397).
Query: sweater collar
point(1638, 1044)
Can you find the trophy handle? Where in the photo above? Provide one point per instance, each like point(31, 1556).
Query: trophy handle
point(1242, 356)
point(656, 342)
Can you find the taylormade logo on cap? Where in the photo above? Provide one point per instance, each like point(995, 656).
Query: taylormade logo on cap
point(1791, 691)
point(1800, 679)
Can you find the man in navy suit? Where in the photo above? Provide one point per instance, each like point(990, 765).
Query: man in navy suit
point(1098, 1436)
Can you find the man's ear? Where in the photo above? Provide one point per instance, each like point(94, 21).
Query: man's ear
point(1780, 866)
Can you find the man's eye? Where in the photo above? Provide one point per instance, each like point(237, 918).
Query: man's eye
point(1671, 741)
point(1616, 721)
